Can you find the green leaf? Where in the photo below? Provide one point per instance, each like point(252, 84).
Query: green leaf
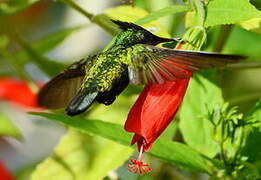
point(161, 13)
point(197, 131)
point(7, 128)
point(252, 25)
point(230, 12)
point(79, 156)
point(172, 152)
point(14, 6)
point(93, 127)
point(180, 155)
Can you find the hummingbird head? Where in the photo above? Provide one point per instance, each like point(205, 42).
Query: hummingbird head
point(133, 34)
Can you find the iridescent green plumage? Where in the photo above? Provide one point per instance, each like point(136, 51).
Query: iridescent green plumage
point(107, 69)
point(133, 58)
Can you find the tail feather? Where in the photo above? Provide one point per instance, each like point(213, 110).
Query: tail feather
point(81, 102)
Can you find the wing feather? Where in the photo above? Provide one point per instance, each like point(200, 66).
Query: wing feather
point(60, 90)
point(156, 65)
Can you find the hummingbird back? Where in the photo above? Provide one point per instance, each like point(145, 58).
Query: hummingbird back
point(103, 81)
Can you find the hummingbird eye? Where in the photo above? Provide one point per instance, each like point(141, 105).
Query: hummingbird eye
point(142, 36)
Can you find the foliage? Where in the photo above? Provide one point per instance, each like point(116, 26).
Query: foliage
point(212, 137)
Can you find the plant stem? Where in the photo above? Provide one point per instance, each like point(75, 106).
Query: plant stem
point(223, 36)
point(237, 154)
point(222, 153)
point(101, 20)
point(199, 7)
point(75, 6)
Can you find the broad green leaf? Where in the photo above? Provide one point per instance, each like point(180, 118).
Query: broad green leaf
point(196, 129)
point(180, 155)
point(126, 13)
point(161, 13)
point(14, 6)
point(230, 12)
point(252, 25)
point(7, 128)
point(172, 152)
point(79, 156)
point(108, 130)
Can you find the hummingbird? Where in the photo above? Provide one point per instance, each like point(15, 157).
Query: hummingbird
point(132, 58)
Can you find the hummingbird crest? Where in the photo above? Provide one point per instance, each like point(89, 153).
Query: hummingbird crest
point(133, 34)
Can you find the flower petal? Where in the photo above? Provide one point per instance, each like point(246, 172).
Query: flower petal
point(17, 91)
point(4, 174)
point(154, 110)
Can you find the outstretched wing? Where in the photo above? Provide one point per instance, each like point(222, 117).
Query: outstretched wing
point(60, 90)
point(156, 65)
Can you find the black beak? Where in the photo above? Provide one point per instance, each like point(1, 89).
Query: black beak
point(159, 40)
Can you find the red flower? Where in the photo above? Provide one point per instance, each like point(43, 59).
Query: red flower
point(4, 174)
point(153, 111)
point(17, 91)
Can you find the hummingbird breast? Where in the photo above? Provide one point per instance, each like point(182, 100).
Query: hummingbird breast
point(106, 72)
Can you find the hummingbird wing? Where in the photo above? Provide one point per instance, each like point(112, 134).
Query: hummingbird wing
point(156, 65)
point(58, 92)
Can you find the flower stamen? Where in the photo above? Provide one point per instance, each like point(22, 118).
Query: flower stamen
point(137, 166)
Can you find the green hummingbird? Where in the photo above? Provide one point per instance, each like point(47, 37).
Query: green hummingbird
point(132, 58)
